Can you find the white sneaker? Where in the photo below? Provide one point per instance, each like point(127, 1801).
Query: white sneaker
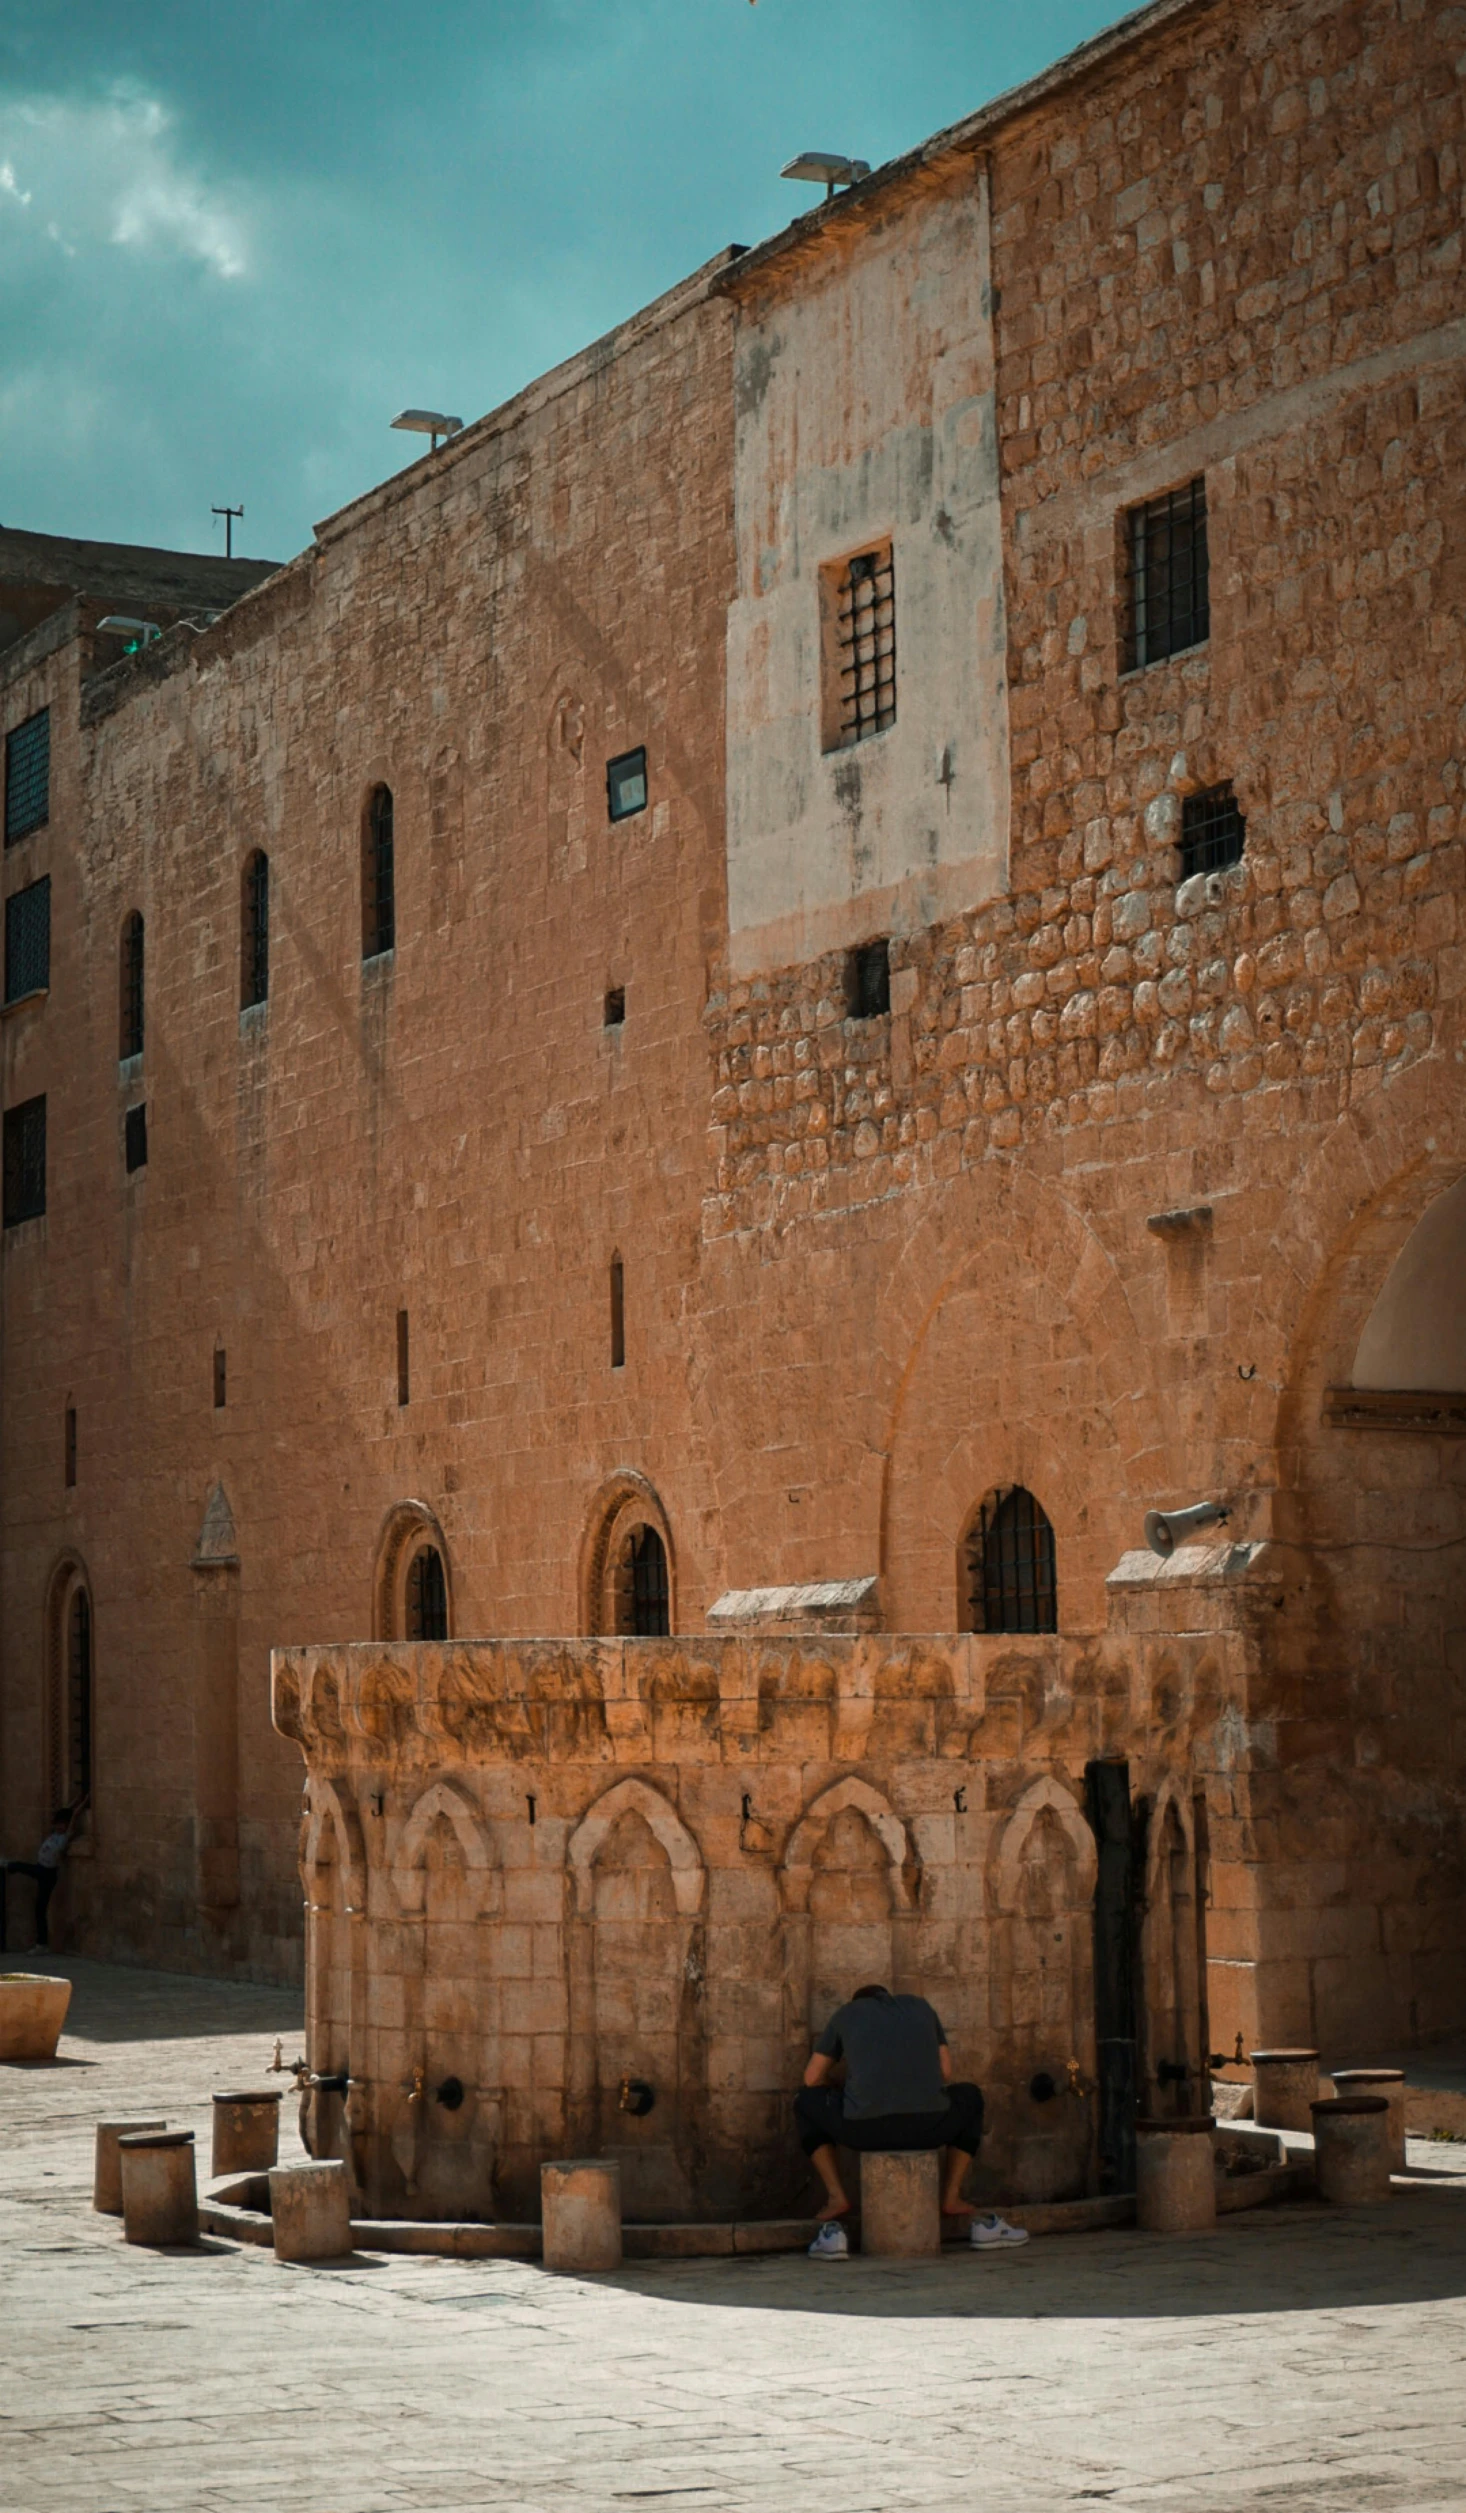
point(831, 2242)
point(994, 2233)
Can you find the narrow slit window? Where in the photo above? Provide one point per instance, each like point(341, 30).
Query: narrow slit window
point(221, 1377)
point(135, 1138)
point(254, 931)
point(1213, 831)
point(404, 1358)
point(626, 785)
point(131, 997)
point(615, 1008)
point(868, 981)
point(618, 1315)
point(25, 1162)
point(1010, 1565)
point(427, 1595)
point(378, 877)
point(28, 940)
point(79, 1694)
point(862, 699)
point(70, 1448)
point(1169, 597)
point(28, 776)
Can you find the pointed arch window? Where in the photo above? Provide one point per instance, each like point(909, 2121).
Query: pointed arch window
point(130, 1032)
point(426, 1600)
point(1009, 1565)
point(643, 1590)
point(378, 876)
point(254, 931)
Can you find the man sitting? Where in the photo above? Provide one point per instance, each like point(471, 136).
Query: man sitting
point(898, 2096)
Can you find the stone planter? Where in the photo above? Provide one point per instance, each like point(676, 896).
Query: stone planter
point(1175, 2175)
point(32, 2012)
point(1287, 2088)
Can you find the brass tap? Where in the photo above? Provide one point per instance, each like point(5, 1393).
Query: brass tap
point(417, 2083)
point(1076, 2081)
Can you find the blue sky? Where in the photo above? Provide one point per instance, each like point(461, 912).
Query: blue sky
point(235, 240)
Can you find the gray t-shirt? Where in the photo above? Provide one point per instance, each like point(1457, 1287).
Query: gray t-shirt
point(891, 2049)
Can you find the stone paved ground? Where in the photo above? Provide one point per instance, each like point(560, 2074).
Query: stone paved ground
point(1296, 2359)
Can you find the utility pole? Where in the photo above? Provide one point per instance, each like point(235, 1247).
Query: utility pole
point(228, 513)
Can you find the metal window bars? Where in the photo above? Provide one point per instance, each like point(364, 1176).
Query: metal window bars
point(379, 923)
point(1170, 604)
point(28, 940)
point(865, 632)
point(1213, 831)
point(25, 1162)
point(28, 777)
point(427, 1596)
point(256, 936)
point(650, 1619)
point(130, 1027)
point(1011, 1565)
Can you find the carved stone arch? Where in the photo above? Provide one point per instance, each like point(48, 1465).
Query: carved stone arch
point(625, 1502)
point(637, 1797)
point(797, 1866)
point(1170, 1797)
point(325, 1810)
point(407, 1530)
point(441, 1803)
point(1045, 1794)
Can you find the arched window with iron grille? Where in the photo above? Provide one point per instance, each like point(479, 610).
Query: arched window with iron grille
point(643, 1591)
point(254, 930)
point(378, 878)
point(1009, 1565)
point(427, 1596)
point(130, 1029)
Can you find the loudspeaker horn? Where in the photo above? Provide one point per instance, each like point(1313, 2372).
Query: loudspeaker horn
point(1165, 1529)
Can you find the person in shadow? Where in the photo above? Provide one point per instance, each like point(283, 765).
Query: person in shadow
point(45, 1872)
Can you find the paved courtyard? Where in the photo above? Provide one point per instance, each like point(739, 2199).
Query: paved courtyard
point(1297, 2358)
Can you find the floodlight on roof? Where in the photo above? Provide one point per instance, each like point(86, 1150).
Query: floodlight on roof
point(816, 165)
point(433, 423)
point(116, 625)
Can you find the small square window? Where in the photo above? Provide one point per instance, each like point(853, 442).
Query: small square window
point(28, 777)
point(25, 1162)
point(1213, 831)
point(28, 940)
point(626, 784)
point(135, 1138)
point(1168, 599)
point(858, 647)
point(615, 1007)
point(868, 981)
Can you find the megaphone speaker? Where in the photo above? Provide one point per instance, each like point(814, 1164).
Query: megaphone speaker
point(1165, 1529)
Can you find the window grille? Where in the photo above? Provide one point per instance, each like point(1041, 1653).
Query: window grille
point(70, 1447)
point(130, 1033)
point(427, 1596)
point(618, 1315)
point(78, 1695)
point(865, 636)
point(379, 909)
point(626, 786)
point(1213, 831)
point(135, 1139)
point(28, 940)
point(25, 1162)
point(868, 981)
point(254, 927)
point(1010, 1561)
point(650, 1618)
point(28, 777)
point(1169, 604)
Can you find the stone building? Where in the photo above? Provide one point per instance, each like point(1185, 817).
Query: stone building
point(824, 956)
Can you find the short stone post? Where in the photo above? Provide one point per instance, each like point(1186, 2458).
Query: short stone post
point(1351, 2138)
point(1176, 2175)
point(310, 2208)
point(1390, 2082)
point(1286, 2084)
point(246, 2133)
point(159, 2189)
point(580, 2203)
point(107, 2170)
point(900, 2204)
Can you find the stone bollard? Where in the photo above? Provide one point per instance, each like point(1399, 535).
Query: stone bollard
point(900, 2204)
point(246, 2133)
point(310, 2207)
point(580, 2202)
point(159, 2189)
point(1390, 2082)
point(107, 2170)
point(1175, 2175)
point(1286, 2088)
point(1351, 2139)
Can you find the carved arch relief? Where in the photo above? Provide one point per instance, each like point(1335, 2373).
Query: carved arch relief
point(325, 1811)
point(1046, 1795)
point(798, 1865)
point(1415, 1335)
point(441, 1803)
point(666, 1827)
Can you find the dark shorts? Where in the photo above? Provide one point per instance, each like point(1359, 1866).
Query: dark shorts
point(820, 2112)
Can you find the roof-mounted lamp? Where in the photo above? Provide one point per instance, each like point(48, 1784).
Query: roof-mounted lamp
point(816, 165)
point(433, 423)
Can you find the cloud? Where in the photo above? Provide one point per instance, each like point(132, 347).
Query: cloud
point(105, 173)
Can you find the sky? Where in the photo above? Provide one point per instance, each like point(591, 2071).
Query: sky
point(235, 240)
